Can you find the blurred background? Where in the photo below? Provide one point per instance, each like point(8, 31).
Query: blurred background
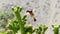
point(46, 12)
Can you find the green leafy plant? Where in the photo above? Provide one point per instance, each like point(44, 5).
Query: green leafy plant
point(56, 29)
point(29, 29)
point(41, 29)
point(13, 25)
point(19, 23)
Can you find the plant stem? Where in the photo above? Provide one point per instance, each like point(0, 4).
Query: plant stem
point(18, 16)
point(42, 32)
point(29, 33)
point(14, 33)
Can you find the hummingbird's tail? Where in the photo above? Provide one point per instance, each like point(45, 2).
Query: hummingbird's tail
point(34, 19)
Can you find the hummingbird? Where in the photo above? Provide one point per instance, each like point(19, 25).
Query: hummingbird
point(31, 14)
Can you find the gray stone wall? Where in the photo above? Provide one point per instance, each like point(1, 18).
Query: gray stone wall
point(46, 11)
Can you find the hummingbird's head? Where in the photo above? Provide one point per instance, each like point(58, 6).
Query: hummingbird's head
point(29, 11)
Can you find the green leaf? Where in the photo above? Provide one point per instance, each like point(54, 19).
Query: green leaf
point(19, 9)
point(29, 29)
point(14, 26)
point(12, 9)
point(24, 17)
